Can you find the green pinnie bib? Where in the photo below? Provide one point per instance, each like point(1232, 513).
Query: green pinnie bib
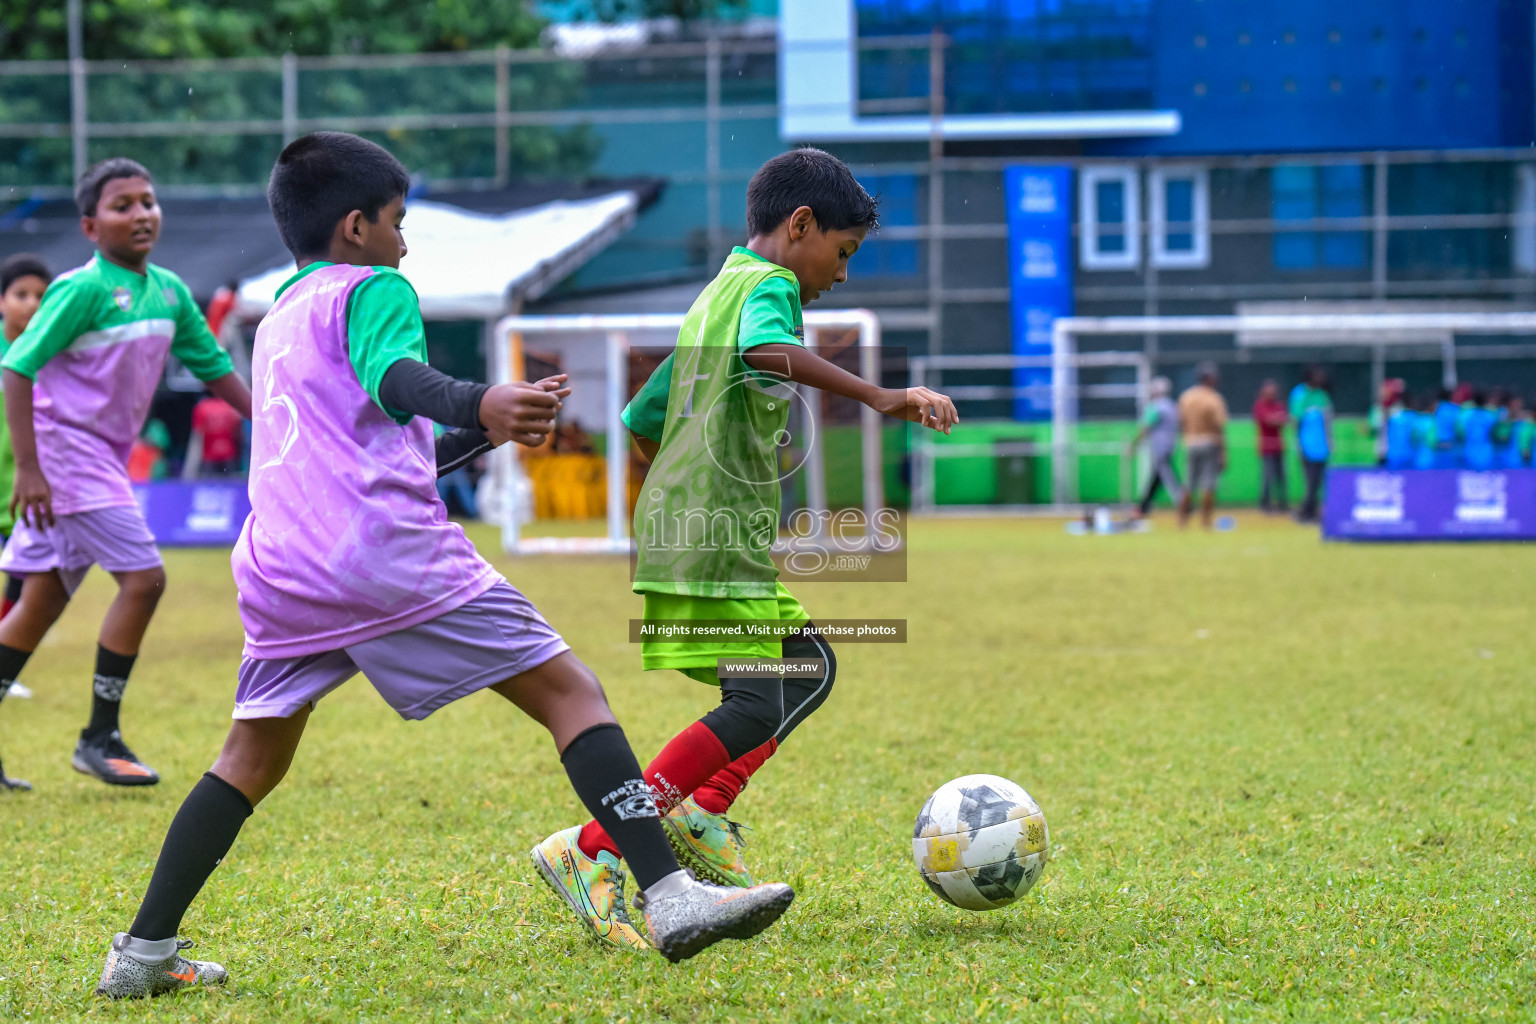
point(709, 512)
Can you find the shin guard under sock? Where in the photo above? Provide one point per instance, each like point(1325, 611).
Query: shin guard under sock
point(107, 686)
point(200, 835)
point(683, 765)
point(606, 776)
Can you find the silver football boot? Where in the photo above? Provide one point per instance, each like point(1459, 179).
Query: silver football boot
point(686, 923)
point(127, 977)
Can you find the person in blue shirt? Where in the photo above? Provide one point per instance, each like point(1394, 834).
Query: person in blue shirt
point(1511, 433)
point(1424, 451)
point(1312, 409)
point(1478, 420)
point(1447, 431)
point(1400, 427)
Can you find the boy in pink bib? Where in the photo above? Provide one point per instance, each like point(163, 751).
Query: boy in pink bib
point(349, 563)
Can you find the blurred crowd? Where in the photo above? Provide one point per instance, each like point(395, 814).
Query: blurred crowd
point(1465, 427)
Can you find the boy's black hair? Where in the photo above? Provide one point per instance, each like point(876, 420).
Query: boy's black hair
point(88, 188)
point(320, 178)
point(23, 264)
point(809, 177)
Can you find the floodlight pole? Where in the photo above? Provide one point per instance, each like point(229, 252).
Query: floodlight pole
point(79, 117)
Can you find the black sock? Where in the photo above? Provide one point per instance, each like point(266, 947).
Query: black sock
point(12, 662)
point(606, 776)
point(200, 835)
point(13, 588)
point(107, 690)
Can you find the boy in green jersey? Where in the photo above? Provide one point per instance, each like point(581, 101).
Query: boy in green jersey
point(23, 279)
point(711, 420)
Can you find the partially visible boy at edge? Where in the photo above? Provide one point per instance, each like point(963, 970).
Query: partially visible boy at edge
point(711, 419)
point(23, 280)
point(78, 386)
point(348, 563)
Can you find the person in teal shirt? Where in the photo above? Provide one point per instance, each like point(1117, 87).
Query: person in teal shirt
point(1447, 431)
point(1312, 409)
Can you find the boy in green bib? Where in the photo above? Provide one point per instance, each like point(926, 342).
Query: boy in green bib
point(711, 420)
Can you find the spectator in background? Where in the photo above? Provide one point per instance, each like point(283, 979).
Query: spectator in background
point(1401, 435)
point(1312, 409)
point(1160, 430)
point(1270, 417)
point(1511, 434)
point(1448, 429)
point(1389, 398)
point(216, 428)
point(221, 305)
point(146, 459)
point(1424, 453)
point(1203, 418)
point(1478, 421)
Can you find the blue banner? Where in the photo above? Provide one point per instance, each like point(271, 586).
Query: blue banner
point(1039, 271)
point(200, 514)
point(1430, 504)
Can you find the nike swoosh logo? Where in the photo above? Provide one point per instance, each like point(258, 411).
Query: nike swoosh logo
point(122, 767)
point(570, 863)
point(189, 977)
point(697, 833)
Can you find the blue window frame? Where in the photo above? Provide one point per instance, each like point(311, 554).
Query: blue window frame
point(1014, 56)
point(1307, 192)
point(882, 257)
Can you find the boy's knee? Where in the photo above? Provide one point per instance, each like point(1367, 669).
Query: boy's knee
point(749, 714)
point(145, 584)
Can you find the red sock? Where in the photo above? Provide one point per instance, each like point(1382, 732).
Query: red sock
point(717, 795)
point(683, 765)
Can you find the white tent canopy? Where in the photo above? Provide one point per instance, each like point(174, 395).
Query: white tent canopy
point(468, 266)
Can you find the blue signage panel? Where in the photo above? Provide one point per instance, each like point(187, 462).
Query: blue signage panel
point(202, 514)
point(1430, 504)
point(1039, 272)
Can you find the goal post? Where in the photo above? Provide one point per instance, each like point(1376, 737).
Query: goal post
point(1079, 376)
point(1422, 335)
point(508, 490)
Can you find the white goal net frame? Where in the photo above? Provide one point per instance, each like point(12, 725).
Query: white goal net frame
point(1408, 336)
point(507, 492)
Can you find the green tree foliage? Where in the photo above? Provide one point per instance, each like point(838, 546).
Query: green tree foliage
point(155, 29)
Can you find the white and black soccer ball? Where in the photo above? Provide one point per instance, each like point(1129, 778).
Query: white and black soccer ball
point(980, 842)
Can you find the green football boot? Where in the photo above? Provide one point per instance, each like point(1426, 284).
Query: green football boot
point(710, 844)
point(594, 889)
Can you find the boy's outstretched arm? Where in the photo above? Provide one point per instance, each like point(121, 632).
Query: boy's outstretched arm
point(801, 365)
point(233, 389)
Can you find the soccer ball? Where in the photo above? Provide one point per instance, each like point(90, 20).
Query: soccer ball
point(980, 842)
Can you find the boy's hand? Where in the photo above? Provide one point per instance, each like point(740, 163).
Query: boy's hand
point(522, 412)
point(919, 405)
point(32, 498)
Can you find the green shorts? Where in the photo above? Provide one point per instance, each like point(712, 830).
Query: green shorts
point(697, 658)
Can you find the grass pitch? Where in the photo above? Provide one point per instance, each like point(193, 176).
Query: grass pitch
point(1285, 780)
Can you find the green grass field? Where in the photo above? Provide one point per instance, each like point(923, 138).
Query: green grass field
point(1285, 781)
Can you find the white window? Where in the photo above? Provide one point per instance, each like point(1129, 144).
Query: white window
point(1524, 235)
point(1109, 218)
point(1179, 201)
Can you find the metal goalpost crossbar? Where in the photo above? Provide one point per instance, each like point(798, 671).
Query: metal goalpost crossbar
point(509, 484)
point(1064, 447)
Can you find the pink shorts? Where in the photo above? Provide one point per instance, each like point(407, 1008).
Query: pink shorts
point(117, 539)
point(488, 640)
